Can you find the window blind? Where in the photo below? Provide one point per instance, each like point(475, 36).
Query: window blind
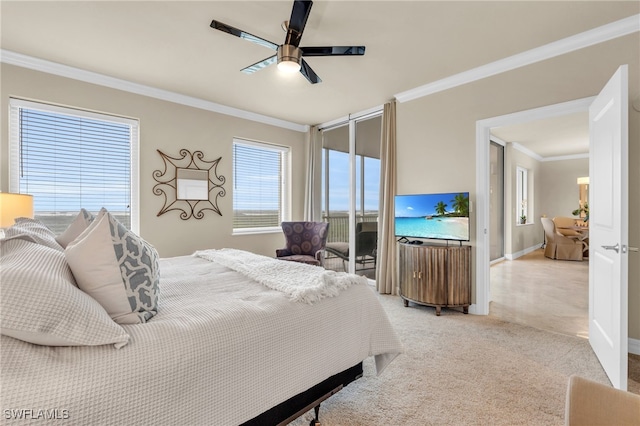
point(259, 185)
point(70, 159)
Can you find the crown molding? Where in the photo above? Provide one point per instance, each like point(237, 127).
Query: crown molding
point(569, 107)
point(355, 116)
point(24, 61)
point(588, 38)
point(566, 157)
point(527, 151)
point(534, 155)
point(542, 159)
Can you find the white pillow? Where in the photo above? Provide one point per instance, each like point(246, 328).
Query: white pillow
point(41, 304)
point(79, 224)
point(35, 230)
point(117, 268)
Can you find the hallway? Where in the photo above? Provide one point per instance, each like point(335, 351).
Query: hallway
point(547, 294)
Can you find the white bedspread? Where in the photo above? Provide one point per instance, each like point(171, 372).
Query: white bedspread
point(220, 351)
point(284, 276)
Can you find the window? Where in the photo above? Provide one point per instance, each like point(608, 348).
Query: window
point(522, 202)
point(70, 159)
point(260, 186)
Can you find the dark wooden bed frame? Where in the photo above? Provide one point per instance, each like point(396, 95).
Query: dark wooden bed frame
point(299, 404)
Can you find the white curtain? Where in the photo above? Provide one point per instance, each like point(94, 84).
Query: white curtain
point(313, 188)
point(386, 279)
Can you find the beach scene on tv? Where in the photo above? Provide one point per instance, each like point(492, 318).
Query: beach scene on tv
point(433, 216)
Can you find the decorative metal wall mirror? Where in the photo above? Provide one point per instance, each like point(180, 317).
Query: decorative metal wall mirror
point(192, 184)
point(189, 184)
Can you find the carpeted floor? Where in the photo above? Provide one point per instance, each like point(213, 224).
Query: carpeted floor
point(465, 369)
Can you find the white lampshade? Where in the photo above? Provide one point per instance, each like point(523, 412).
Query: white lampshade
point(13, 206)
point(289, 67)
point(289, 57)
point(583, 180)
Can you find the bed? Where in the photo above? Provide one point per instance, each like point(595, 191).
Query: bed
point(223, 347)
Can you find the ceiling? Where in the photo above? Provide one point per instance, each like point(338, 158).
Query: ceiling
point(170, 46)
point(566, 135)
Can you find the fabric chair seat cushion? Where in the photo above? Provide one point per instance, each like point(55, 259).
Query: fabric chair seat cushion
point(340, 249)
point(562, 223)
point(305, 242)
point(569, 232)
point(592, 403)
point(302, 258)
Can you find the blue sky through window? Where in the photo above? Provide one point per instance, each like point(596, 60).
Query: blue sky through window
point(339, 182)
point(70, 162)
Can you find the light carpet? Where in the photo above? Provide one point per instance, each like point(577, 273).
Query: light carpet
point(463, 369)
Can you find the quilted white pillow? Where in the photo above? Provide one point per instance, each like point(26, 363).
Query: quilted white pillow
point(41, 304)
point(35, 230)
point(79, 224)
point(117, 268)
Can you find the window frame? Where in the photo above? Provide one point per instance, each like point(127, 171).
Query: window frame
point(285, 185)
point(523, 201)
point(15, 104)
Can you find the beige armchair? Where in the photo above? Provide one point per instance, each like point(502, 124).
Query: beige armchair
point(562, 225)
point(558, 246)
point(591, 403)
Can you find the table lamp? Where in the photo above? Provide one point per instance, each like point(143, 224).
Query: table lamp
point(13, 206)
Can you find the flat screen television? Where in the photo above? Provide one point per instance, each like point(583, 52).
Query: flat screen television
point(433, 216)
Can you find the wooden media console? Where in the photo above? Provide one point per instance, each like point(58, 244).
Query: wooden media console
point(436, 275)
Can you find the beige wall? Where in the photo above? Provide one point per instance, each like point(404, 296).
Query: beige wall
point(555, 194)
point(169, 127)
point(519, 238)
point(560, 194)
point(436, 133)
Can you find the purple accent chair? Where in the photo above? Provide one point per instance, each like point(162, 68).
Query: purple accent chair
point(305, 242)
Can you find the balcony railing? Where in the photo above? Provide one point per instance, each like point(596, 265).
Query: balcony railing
point(339, 224)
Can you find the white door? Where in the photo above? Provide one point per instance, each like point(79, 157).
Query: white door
point(608, 227)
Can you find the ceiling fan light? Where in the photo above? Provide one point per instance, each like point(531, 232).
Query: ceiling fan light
point(289, 58)
point(289, 67)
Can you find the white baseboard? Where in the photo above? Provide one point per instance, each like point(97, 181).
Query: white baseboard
point(514, 256)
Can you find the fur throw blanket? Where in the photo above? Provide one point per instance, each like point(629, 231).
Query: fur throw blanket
point(301, 282)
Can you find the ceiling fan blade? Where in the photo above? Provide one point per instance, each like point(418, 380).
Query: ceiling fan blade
point(332, 51)
point(259, 65)
point(216, 25)
point(309, 74)
point(297, 22)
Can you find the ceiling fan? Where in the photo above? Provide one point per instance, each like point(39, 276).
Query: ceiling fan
point(289, 54)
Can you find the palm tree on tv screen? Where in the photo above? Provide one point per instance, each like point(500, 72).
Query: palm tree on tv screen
point(461, 204)
point(441, 208)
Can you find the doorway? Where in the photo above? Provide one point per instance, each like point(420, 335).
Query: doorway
point(529, 288)
point(483, 215)
point(350, 193)
point(608, 266)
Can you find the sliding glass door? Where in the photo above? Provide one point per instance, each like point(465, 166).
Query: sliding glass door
point(496, 201)
point(350, 193)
